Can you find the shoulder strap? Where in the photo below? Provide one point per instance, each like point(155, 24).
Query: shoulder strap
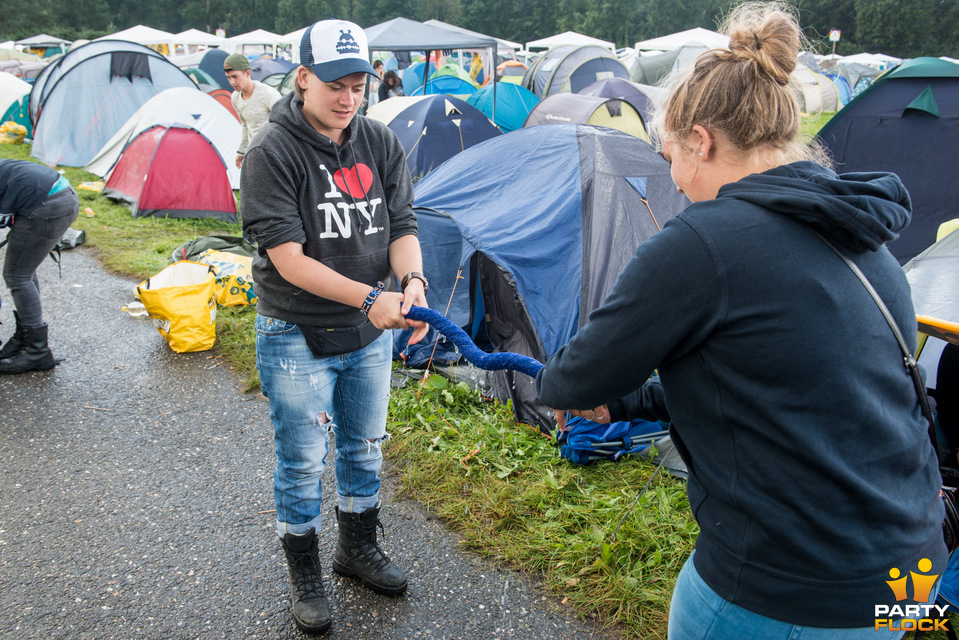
point(908, 360)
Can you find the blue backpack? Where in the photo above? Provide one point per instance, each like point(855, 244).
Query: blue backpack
point(584, 441)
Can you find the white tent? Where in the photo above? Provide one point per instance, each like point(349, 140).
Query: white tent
point(387, 110)
point(160, 41)
point(13, 90)
point(503, 47)
point(192, 39)
point(181, 105)
point(256, 42)
point(571, 38)
point(293, 39)
point(43, 40)
point(711, 39)
point(874, 60)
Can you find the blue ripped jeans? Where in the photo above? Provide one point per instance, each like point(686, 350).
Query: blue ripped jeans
point(310, 397)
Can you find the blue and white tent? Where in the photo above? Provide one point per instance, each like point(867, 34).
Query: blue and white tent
point(79, 102)
point(432, 129)
point(537, 236)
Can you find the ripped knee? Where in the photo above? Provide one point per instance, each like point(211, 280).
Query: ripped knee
point(324, 420)
point(376, 443)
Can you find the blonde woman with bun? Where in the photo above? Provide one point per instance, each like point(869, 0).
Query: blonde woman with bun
point(811, 473)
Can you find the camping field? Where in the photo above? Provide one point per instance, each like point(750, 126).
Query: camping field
point(584, 534)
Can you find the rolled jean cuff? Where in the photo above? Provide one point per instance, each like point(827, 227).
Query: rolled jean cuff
point(283, 528)
point(356, 504)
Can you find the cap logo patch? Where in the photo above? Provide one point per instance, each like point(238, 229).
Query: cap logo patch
point(347, 44)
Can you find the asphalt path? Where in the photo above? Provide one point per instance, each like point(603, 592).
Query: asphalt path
point(136, 502)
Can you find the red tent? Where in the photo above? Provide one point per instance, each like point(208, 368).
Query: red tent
point(223, 97)
point(172, 172)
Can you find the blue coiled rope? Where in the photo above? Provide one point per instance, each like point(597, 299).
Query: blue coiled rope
point(481, 359)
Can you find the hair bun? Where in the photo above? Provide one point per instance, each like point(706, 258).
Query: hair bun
point(767, 34)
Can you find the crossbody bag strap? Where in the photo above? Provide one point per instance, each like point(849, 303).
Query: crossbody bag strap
point(908, 360)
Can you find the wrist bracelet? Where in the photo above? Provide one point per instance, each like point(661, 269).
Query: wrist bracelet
point(371, 298)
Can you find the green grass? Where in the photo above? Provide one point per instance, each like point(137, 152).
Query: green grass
point(504, 487)
point(812, 123)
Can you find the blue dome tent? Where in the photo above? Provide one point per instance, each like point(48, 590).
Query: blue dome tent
point(432, 129)
point(445, 84)
point(513, 104)
point(538, 236)
point(79, 102)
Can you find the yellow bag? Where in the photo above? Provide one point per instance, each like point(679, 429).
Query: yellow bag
point(234, 277)
point(12, 133)
point(181, 301)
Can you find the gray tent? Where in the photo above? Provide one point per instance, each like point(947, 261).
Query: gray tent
point(569, 68)
point(575, 108)
point(934, 279)
point(403, 34)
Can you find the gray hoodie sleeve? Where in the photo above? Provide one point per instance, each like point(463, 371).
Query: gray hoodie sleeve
point(399, 189)
point(269, 205)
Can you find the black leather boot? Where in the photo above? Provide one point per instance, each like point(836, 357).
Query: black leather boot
point(34, 355)
point(15, 343)
point(311, 609)
point(358, 554)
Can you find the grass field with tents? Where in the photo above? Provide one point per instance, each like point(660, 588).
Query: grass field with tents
point(583, 534)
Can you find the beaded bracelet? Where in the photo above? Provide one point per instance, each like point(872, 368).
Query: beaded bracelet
point(371, 298)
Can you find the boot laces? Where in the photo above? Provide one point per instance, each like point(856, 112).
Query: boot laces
point(371, 548)
point(309, 580)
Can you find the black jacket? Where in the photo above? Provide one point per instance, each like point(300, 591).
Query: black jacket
point(810, 470)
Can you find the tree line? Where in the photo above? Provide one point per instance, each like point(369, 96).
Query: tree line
point(902, 29)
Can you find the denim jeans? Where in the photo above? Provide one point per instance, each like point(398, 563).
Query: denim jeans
point(31, 239)
point(699, 613)
point(311, 397)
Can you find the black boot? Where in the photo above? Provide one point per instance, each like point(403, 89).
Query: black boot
point(15, 343)
point(311, 609)
point(34, 355)
point(357, 553)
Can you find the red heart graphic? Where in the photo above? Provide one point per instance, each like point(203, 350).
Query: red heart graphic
point(356, 181)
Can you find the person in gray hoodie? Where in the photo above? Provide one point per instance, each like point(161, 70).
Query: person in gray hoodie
point(811, 472)
point(327, 197)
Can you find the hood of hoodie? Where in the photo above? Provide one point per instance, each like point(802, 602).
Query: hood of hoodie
point(288, 113)
point(857, 210)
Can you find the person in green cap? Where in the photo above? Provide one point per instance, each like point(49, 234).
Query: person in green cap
point(251, 100)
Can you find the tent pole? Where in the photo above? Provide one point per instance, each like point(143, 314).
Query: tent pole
point(493, 71)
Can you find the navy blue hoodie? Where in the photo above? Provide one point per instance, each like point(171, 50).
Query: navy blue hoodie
point(811, 473)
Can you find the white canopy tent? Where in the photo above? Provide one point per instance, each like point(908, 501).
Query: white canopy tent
point(293, 39)
point(43, 41)
point(256, 42)
point(711, 39)
point(569, 38)
point(875, 60)
point(161, 41)
point(193, 40)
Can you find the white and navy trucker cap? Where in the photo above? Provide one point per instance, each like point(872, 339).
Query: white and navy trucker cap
point(334, 49)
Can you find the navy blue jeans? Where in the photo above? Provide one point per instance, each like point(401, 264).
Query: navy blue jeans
point(31, 239)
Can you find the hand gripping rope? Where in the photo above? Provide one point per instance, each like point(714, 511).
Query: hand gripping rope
point(488, 361)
